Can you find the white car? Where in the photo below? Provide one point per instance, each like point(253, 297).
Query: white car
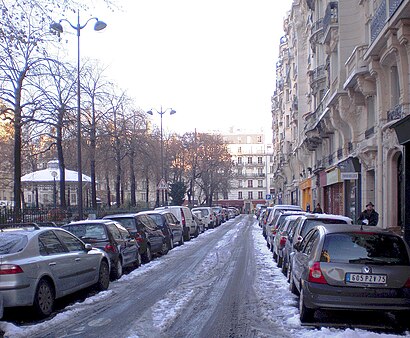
point(207, 216)
point(184, 215)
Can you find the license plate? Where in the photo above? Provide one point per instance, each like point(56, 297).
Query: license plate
point(366, 278)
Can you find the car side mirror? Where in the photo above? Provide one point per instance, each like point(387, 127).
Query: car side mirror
point(88, 247)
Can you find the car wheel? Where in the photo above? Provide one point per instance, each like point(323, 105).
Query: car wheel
point(187, 236)
point(275, 256)
point(284, 267)
point(292, 285)
point(170, 244)
point(117, 270)
point(147, 256)
point(306, 314)
point(181, 242)
point(164, 249)
point(137, 263)
point(103, 277)
point(44, 299)
point(280, 262)
point(196, 234)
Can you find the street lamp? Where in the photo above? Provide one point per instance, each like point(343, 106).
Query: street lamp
point(161, 113)
point(54, 174)
point(56, 26)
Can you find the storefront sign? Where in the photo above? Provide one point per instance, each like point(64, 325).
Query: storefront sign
point(349, 176)
point(333, 177)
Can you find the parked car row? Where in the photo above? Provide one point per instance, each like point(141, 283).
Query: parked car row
point(332, 264)
point(40, 263)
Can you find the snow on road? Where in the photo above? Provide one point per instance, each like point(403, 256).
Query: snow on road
point(278, 305)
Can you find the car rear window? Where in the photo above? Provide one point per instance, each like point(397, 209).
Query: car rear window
point(364, 248)
point(88, 231)
point(157, 219)
point(12, 243)
point(311, 223)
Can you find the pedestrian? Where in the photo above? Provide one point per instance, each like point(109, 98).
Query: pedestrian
point(369, 216)
point(308, 207)
point(318, 209)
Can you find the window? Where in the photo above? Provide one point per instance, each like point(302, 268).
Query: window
point(124, 233)
point(239, 160)
point(240, 195)
point(311, 242)
point(240, 184)
point(143, 196)
point(114, 232)
point(260, 183)
point(239, 150)
point(249, 160)
point(260, 160)
point(49, 244)
point(260, 171)
point(260, 195)
point(250, 195)
point(259, 139)
point(71, 242)
point(271, 169)
point(73, 199)
point(250, 184)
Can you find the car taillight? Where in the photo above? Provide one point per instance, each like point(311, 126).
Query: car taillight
point(110, 248)
point(183, 219)
point(407, 285)
point(10, 269)
point(273, 231)
point(139, 238)
point(315, 274)
point(282, 241)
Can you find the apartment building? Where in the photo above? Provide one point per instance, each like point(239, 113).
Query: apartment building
point(253, 166)
point(341, 95)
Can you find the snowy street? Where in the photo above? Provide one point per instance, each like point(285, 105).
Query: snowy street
point(222, 284)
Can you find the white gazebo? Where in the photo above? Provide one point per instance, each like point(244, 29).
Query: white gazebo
point(41, 188)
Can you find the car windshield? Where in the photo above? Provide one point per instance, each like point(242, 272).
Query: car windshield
point(12, 242)
point(157, 219)
point(204, 212)
point(88, 231)
point(364, 248)
point(126, 222)
point(311, 223)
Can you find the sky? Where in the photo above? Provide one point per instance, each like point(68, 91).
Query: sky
point(282, 314)
point(212, 61)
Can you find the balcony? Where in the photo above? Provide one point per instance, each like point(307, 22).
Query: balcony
point(378, 21)
point(368, 133)
point(331, 18)
point(393, 5)
point(396, 113)
point(316, 75)
point(339, 153)
point(316, 31)
point(355, 66)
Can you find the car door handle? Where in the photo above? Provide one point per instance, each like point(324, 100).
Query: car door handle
point(78, 259)
point(52, 264)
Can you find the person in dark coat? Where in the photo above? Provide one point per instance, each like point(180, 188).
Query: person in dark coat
point(318, 209)
point(369, 216)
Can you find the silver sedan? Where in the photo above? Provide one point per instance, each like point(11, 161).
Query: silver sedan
point(38, 265)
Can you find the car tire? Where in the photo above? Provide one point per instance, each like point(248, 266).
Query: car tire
point(170, 244)
point(275, 256)
point(181, 242)
point(306, 315)
point(187, 236)
point(164, 249)
point(285, 268)
point(137, 263)
point(292, 285)
point(103, 277)
point(117, 270)
point(44, 299)
point(147, 256)
point(280, 261)
point(196, 234)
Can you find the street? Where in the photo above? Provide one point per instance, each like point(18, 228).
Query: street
point(222, 284)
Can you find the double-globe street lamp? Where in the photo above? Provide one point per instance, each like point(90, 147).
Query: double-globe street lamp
point(56, 26)
point(161, 113)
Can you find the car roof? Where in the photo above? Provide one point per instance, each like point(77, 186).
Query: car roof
point(120, 215)
point(93, 221)
point(292, 212)
point(150, 212)
point(326, 216)
point(356, 228)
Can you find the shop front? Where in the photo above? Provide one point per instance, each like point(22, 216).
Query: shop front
point(350, 175)
point(333, 193)
point(306, 191)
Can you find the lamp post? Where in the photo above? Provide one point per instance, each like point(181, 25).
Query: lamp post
point(161, 113)
point(56, 26)
point(54, 174)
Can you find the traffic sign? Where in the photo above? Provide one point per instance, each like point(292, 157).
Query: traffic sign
point(162, 185)
point(268, 197)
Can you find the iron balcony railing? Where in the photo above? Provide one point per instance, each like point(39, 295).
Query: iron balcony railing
point(331, 15)
point(396, 113)
point(378, 21)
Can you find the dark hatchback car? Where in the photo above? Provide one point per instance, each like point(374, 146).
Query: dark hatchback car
point(111, 237)
point(350, 267)
point(150, 239)
point(168, 224)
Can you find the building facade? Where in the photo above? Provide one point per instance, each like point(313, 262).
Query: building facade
point(346, 65)
point(253, 169)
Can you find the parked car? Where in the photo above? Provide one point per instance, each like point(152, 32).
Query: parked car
point(281, 238)
point(199, 220)
point(304, 224)
point(351, 267)
point(172, 223)
point(113, 238)
point(207, 215)
point(150, 239)
point(275, 210)
point(40, 265)
point(184, 215)
point(264, 220)
point(277, 221)
point(219, 214)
